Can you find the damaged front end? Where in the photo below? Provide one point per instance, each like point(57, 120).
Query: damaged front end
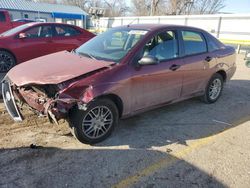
point(44, 100)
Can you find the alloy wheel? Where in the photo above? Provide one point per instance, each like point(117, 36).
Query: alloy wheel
point(97, 122)
point(6, 62)
point(215, 89)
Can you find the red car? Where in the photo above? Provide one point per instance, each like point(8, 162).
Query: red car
point(33, 40)
point(122, 72)
point(6, 23)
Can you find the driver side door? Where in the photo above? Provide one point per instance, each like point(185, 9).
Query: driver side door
point(37, 42)
point(156, 84)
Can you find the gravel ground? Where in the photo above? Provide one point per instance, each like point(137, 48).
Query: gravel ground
point(189, 144)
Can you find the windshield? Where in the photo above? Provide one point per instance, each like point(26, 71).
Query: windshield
point(15, 30)
point(112, 45)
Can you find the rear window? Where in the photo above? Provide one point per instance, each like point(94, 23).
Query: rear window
point(2, 17)
point(194, 42)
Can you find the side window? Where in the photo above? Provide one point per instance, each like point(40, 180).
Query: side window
point(66, 31)
point(194, 42)
point(34, 32)
point(39, 31)
point(46, 31)
point(2, 17)
point(212, 44)
point(163, 46)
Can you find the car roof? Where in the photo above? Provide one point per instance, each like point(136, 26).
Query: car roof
point(154, 27)
point(48, 23)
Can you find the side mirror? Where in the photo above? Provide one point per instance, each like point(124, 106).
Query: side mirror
point(247, 60)
point(148, 60)
point(22, 36)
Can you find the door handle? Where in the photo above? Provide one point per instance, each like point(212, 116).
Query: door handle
point(208, 58)
point(174, 67)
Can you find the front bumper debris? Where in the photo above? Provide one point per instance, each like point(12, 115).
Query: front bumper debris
point(16, 99)
point(10, 102)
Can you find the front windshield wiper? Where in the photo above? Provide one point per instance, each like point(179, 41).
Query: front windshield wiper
point(87, 55)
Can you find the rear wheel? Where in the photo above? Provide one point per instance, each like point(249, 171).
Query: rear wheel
point(96, 123)
point(213, 89)
point(7, 61)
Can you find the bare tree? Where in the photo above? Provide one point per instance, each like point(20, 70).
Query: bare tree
point(176, 7)
point(113, 7)
point(46, 1)
point(141, 7)
point(154, 7)
point(83, 4)
point(116, 7)
point(148, 7)
point(208, 6)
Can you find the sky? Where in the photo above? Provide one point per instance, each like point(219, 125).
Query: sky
point(237, 6)
point(232, 6)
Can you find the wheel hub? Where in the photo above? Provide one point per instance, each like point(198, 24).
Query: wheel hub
point(97, 122)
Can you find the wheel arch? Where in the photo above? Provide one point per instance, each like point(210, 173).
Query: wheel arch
point(223, 74)
point(116, 99)
point(9, 51)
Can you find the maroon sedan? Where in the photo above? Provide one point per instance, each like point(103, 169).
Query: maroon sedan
point(33, 40)
point(122, 72)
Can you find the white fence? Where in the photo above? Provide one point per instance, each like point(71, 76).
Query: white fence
point(227, 27)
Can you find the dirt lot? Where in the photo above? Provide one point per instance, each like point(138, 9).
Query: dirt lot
point(189, 144)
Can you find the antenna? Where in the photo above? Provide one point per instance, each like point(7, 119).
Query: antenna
point(132, 21)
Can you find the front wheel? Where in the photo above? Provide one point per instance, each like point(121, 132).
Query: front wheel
point(96, 123)
point(7, 61)
point(213, 89)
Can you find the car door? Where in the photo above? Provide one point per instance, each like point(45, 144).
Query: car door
point(197, 61)
point(35, 42)
point(67, 38)
point(159, 83)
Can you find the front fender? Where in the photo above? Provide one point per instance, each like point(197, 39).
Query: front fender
point(118, 90)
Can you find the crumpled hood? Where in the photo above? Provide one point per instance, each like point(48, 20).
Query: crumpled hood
point(54, 69)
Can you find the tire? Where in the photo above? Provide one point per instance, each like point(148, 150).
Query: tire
point(7, 61)
point(213, 89)
point(89, 127)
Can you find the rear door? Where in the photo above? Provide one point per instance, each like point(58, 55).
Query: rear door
point(67, 38)
point(37, 42)
point(197, 62)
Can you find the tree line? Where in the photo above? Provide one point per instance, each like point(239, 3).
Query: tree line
point(147, 7)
